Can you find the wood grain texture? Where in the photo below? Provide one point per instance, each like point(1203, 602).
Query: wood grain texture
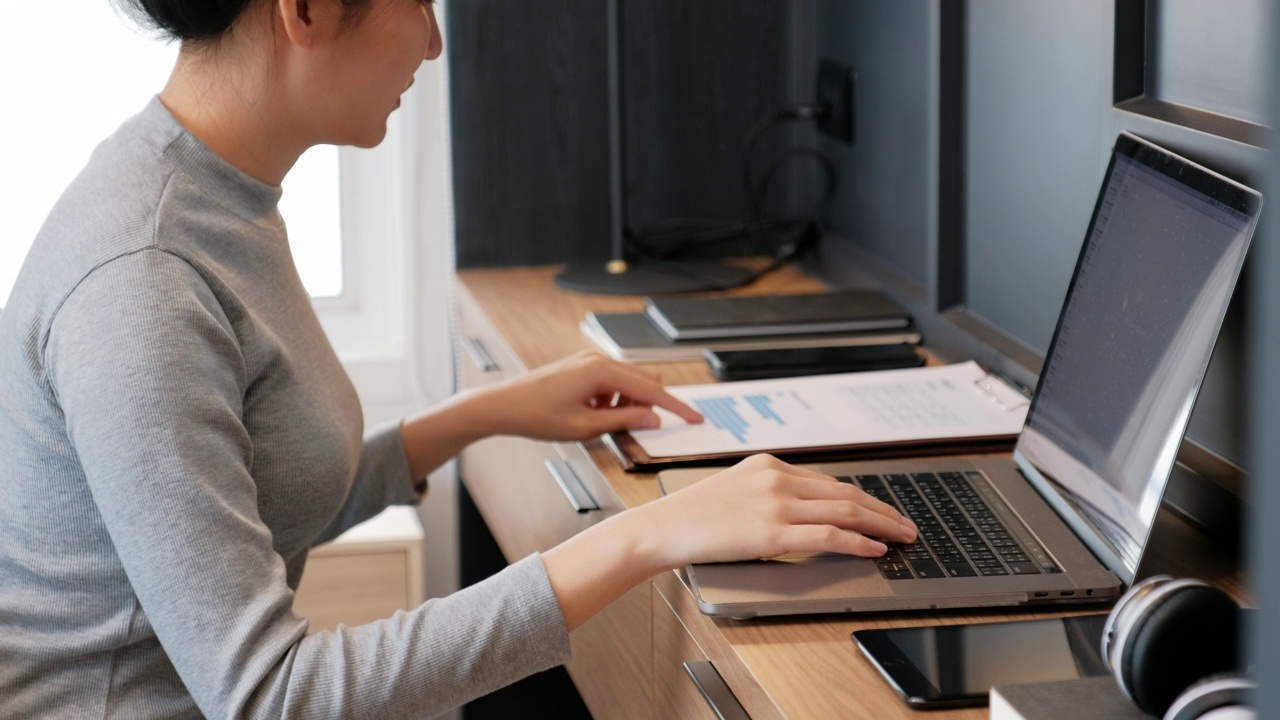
point(540, 321)
point(809, 667)
point(612, 664)
point(675, 695)
point(801, 667)
point(529, 123)
point(526, 511)
point(712, 642)
point(699, 75)
point(528, 98)
point(507, 476)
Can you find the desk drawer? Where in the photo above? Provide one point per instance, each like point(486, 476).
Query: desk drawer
point(522, 502)
point(675, 695)
point(482, 356)
point(672, 595)
point(527, 509)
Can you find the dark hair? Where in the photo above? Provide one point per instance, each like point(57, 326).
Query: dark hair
point(186, 20)
point(201, 21)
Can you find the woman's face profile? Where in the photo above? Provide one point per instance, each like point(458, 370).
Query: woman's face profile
point(368, 66)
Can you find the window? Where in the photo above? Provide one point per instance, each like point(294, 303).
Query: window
point(311, 208)
point(370, 230)
point(72, 73)
point(376, 264)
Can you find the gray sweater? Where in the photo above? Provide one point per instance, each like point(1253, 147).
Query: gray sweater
point(175, 433)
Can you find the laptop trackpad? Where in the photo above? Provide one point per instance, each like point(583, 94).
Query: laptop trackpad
point(795, 575)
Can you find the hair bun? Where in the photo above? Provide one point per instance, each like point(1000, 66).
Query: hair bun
point(186, 20)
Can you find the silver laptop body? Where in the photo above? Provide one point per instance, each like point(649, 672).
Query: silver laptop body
point(1077, 502)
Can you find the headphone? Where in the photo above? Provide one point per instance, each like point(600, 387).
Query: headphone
point(1173, 647)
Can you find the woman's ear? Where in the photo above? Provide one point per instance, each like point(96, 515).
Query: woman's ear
point(306, 22)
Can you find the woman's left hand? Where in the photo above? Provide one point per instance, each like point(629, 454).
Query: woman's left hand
point(578, 398)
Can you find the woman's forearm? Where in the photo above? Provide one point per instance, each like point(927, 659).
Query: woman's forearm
point(577, 398)
point(598, 565)
point(434, 436)
point(759, 508)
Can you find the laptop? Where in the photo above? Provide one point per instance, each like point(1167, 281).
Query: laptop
point(1065, 520)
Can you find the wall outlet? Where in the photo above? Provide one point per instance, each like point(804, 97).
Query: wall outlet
point(836, 85)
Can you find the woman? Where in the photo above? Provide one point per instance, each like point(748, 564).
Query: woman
point(178, 432)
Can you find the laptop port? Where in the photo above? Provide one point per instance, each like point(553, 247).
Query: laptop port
point(1042, 593)
point(1068, 593)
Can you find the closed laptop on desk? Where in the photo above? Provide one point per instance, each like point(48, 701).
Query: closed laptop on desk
point(1068, 518)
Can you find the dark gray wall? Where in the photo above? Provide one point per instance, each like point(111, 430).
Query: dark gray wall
point(887, 198)
point(528, 96)
point(1264, 426)
point(1038, 87)
point(699, 76)
point(531, 166)
point(1211, 54)
point(1038, 127)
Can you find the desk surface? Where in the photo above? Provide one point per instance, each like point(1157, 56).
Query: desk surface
point(803, 667)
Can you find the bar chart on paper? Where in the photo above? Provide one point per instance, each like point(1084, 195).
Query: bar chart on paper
point(723, 413)
point(952, 401)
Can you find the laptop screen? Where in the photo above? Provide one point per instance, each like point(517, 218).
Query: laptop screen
point(1159, 263)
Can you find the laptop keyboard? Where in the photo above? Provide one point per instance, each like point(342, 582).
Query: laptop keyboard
point(960, 534)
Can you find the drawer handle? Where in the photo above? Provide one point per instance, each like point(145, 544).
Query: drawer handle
point(714, 690)
point(568, 481)
point(479, 354)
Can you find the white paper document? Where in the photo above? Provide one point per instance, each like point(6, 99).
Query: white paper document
point(885, 406)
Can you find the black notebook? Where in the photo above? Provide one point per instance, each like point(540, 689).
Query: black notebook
point(706, 318)
point(632, 337)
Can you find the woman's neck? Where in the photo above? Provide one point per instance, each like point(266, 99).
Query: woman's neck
point(230, 97)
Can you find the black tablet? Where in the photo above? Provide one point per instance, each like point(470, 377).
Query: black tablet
point(791, 362)
point(957, 665)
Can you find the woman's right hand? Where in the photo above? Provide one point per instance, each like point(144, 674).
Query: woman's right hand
point(763, 507)
point(759, 508)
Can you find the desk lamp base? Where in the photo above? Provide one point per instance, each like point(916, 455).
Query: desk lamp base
point(653, 277)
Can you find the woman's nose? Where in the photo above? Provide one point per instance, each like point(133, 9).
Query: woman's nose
point(435, 45)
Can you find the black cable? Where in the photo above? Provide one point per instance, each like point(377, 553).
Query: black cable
point(762, 128)
point(828, 167)
point(785, 239)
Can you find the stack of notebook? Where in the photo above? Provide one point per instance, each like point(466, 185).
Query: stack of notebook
point(671, 330)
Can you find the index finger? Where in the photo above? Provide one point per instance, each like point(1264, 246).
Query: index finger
point(649, 392)
point(838, 489)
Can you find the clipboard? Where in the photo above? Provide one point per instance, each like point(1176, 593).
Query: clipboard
point(633, 457)
point(940, 410)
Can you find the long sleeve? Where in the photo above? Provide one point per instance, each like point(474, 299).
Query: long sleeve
point(158, 391)
point(382, 479)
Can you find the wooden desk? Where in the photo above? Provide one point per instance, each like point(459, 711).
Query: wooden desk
point(628, 660)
